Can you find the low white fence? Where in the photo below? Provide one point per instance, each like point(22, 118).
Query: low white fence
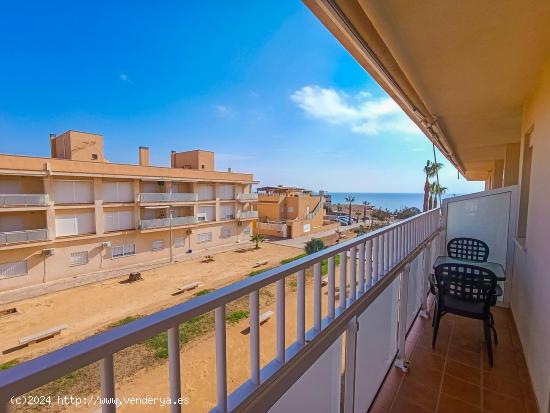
point(7, 200)
point(165, 222)
point(145, 197)
point(30, 235)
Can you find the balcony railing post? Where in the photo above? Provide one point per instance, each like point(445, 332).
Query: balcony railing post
point(351, 358)
point(352, 274)
point(343, 280)
point(254, 306)
point(301, 307)
point(368, 264)
point(361, 268)
point(174, 368)
point(374, 260)
point(425, 273)
point(221, 359)
point(280, 320)
point(401, 360)
point(317, 296)
point(390, 249)
point(331, 288)
point(107, 374)
point(386, 255)
point(380, 257)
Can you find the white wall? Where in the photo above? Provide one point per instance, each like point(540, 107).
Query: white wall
point(531, 289)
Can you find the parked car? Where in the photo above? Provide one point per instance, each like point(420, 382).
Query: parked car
point(345, 220)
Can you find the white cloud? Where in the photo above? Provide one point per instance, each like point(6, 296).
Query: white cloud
point(362, 113)
point(124, 77)
point(223, 110)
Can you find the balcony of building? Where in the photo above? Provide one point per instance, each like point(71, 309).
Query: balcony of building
point(22, 227)
point(161, 217)
point(18, 191)
point(246, 215)
point(247, 197)
point(167, 192)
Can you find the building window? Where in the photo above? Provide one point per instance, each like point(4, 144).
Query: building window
point(201, 217)
point(157, 245)
point(94, 156)
point(179, 242)
point(204, 237)
point(79, 258)
point(13, 269)
point(124, 250)
point(290, 209)
point(246, 230)
point(225, 232)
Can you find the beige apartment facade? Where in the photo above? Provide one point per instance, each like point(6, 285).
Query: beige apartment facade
point(76, 214)
point(289, 212)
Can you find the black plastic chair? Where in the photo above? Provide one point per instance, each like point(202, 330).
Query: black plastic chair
point(468, 291)
point(468, 249)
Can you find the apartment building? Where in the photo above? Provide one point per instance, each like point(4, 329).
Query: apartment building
point(75, 213)
point(289, 212)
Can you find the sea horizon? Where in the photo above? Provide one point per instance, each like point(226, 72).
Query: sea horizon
point(384, 200)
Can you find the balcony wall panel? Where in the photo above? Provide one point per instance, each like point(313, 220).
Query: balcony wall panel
point(318, 390)
point(377, 346)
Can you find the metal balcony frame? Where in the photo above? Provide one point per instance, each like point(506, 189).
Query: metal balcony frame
point(393, 249)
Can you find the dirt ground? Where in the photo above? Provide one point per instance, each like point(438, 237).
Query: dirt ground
point(91, 308)
point(198, 361)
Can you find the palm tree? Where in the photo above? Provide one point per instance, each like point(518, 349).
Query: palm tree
point(428, 173)
point(349, 200)
point(433, 189)
point(257, 238)
point(430, 170)
point(439, 190)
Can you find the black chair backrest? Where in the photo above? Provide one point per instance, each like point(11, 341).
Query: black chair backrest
point(468, 249)
point(466, 282)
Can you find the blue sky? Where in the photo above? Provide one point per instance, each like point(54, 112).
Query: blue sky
point(263, 84)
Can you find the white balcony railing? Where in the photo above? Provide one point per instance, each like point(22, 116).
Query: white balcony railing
point(29, 235)
point(247, 214)
point(247, 197)
point(386, 271)
point(145, 197)
point(165, 222)
point(7, 200)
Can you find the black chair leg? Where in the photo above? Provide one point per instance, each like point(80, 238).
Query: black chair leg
point(435, 311)
point(488, 340)
point(495, 334)
point(492, 319)
point(437, 319)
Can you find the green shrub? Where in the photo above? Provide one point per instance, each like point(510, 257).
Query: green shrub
point(203, 292)
point(236, 316)
point(297, 257)
point(314, 245)
point(9, 364)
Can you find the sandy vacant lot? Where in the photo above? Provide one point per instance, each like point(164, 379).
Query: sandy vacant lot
point(198, 360)
point(90, 308)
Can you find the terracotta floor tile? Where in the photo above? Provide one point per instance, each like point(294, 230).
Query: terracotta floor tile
point(461, 390)
point(458, 366)
point(424, 358)
point(463, 371)
point(419, 394)
point(406, 406)
point(426, 376)
point(499, 403)
point(464, 356)
point(448, 404)
point(498, 383)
